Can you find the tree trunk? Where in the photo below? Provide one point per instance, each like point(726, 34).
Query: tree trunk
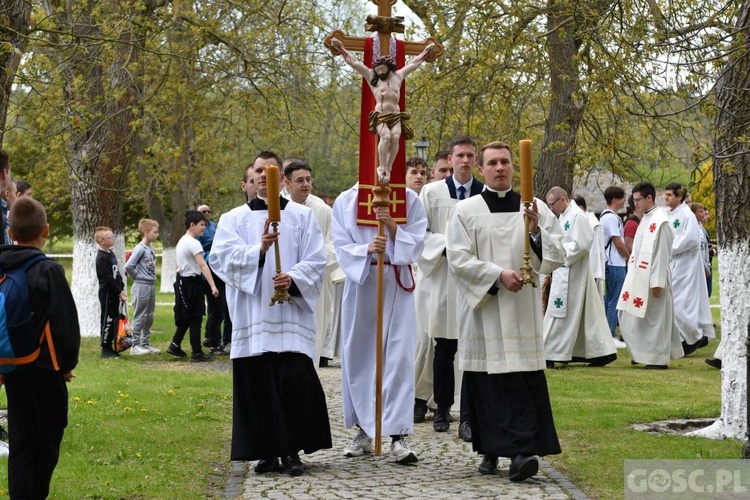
point(558, 152)
point(15, 16)
point(731, 163)
point(99, 101)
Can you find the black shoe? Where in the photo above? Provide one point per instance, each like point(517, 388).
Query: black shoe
point(200, 357)
point(488, 465)
point(522, 467)
point(603, 360)
point(267, 465)
point(420, 410)
point(691, 348)
point(175, 350)
point(633, 362)
point(219, 351)
point(441, 423)
point(206, 342)
point(464, 431)
point(323, 363)
point(108, 352)
point(656, 367)
point(550, 365)
point(714, 362)
point(292, 465)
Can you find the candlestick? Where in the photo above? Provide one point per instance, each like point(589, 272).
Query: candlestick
point(527, 173)
point(272, 186)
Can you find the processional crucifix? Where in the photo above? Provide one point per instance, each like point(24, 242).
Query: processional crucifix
point(383, 128)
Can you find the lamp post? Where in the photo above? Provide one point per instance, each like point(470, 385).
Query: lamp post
point(421, 147)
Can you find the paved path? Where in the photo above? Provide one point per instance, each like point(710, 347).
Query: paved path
point(447, 469)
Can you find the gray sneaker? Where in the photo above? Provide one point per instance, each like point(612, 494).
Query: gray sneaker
point(360, 445)
point(401, 452)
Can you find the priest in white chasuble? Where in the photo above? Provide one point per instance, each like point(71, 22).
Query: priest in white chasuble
point(646, 306)
point(501, 345)
point(575, 324)
point(279, 404)
point(357, 247)
point(692, 308)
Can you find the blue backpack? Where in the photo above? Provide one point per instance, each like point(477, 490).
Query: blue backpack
point(19, 346)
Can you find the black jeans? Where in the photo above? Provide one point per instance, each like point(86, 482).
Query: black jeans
point(194, 326)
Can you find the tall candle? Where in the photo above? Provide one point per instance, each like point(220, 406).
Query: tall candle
point(527, 173)
point(272, 186)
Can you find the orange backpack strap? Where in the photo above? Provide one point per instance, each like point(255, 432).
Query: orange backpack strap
point(47, 335)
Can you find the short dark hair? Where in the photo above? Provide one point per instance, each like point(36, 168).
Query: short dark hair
point(267, 155)
point(22, 186)
point(4, 160)
point(461, 139)
point(193, 217)
point(613, 193)
point(294, 166)
point(416, 161)
point(441, 155)
point(26, 219)
point(580, 201)
point(494, 145)
point(646, 189)
point(678, 189)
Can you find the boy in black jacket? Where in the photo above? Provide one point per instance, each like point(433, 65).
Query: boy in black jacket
point(37, 394)
point(111, 289)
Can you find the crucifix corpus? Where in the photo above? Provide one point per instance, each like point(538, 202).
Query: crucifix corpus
point(383, 124)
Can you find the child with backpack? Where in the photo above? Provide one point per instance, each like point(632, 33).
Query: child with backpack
point(141, 267)
point(35, 382)
point(111, 290)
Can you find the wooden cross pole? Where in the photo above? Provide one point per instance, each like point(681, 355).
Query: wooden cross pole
point(384, 24)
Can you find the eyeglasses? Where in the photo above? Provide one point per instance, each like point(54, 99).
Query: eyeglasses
point(553, 203)
point(303, 180)
point(637, 200)
point(205, 211)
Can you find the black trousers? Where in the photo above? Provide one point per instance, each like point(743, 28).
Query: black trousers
point(194, 326)
point(215, 311)
point(37, 417)
point(444, 383)
point(109, 316)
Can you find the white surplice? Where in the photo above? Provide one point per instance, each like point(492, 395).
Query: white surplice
point(692, 308)
point(652, 339)
point(501, 333)
point(257, 327)
point(358, 321)
point(575, 324)
point(324, 310)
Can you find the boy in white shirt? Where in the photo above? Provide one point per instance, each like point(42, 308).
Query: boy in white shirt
point(188, 288)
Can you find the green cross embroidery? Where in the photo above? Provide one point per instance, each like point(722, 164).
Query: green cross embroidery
point(676, 223)
point(567, 225)
point(558, 302)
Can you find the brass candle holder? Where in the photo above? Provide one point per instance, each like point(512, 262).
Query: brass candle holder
point(526, 275)
point(279, 296)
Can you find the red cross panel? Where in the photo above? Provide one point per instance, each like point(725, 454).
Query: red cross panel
point(367, 142)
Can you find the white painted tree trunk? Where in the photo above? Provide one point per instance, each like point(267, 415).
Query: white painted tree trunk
point(734, 284)
point(168, 270)
point(85, 286)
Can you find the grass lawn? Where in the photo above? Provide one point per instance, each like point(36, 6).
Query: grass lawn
point(157, 427)
point(144, 427)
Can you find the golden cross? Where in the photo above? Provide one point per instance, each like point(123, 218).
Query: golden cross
point(368, 204)
point(395, 202)
point(384, 24)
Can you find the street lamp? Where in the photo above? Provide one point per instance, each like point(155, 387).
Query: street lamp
point(421, 147)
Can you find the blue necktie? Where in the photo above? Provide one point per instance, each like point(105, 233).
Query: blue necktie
point(461, 193)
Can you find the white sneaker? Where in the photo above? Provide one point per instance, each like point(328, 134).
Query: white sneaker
point(619, 344)
point(401, 452)
point(360, 444)
point(137, 350)
point(151, 349)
